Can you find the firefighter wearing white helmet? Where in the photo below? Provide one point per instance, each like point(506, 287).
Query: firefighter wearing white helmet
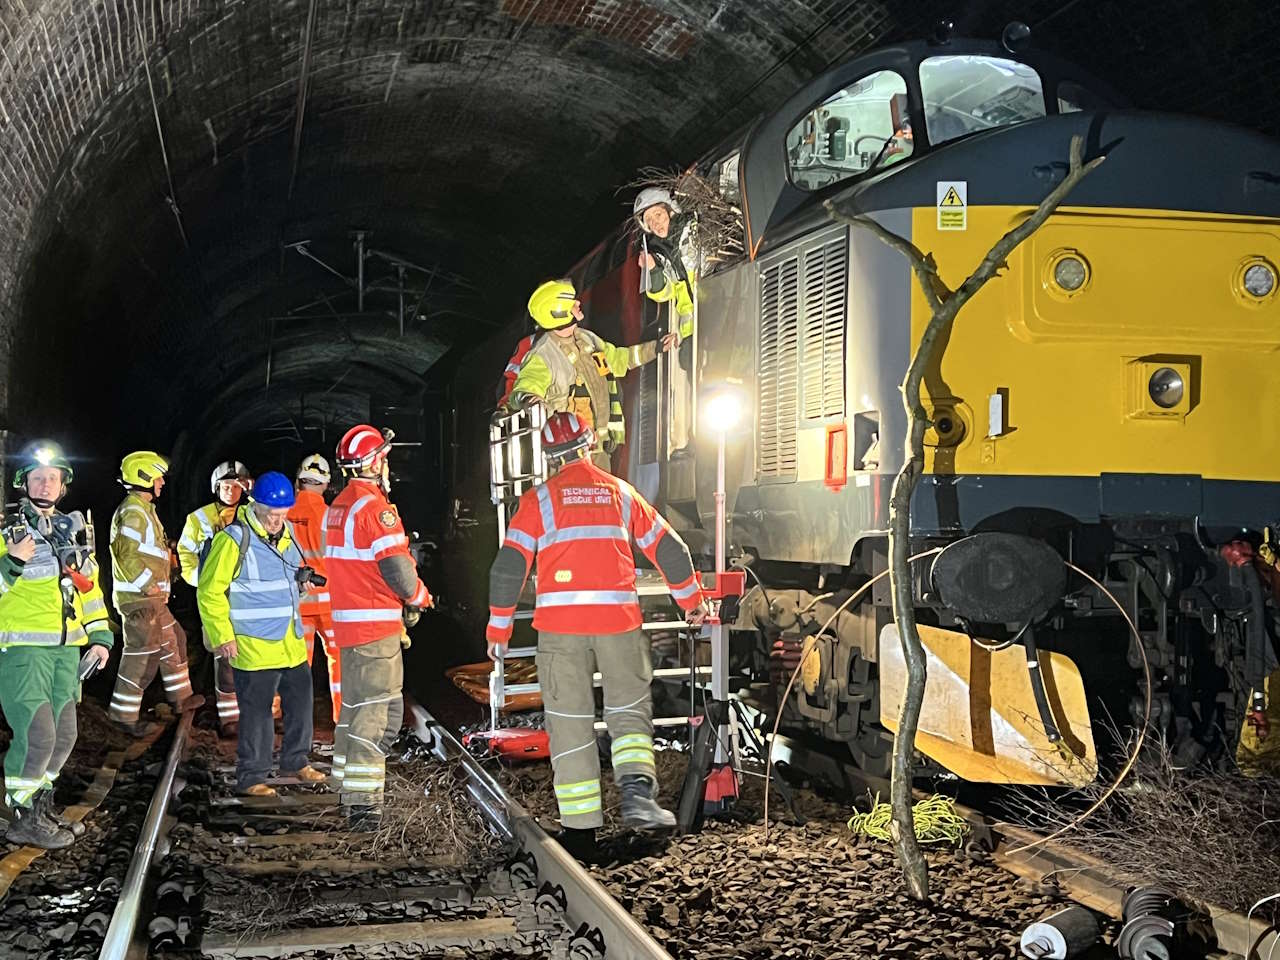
point(228, 483)
point(307, 520)
point(668, 267)
point(572, 370)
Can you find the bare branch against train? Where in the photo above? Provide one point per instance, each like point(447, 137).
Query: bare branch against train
point(944, 305)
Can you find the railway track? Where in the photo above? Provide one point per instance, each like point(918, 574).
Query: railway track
point(210, 874)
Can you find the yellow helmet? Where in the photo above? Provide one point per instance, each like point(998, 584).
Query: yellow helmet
point(140, 468)
point(551, 305)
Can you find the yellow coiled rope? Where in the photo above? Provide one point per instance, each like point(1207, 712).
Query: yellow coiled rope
point(935, 817)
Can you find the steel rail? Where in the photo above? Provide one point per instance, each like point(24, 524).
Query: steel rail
point(124, 921)
point(586, 900)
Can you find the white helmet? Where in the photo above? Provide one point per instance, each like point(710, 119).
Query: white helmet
point(315, 468)
point(230, 470)
point(651, 197)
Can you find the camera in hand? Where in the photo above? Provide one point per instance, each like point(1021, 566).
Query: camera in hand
point(308, 575)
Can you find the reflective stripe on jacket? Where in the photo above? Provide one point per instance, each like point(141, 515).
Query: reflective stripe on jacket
point(361, 528)
point(139, 551)
point(307, 520)
point(258, 605)
point(580, 525)
point(200, 526)
point(34, 600)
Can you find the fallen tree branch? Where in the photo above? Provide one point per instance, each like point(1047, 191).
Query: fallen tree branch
point(944, 305)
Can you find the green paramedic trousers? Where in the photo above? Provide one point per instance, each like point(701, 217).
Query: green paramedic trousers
point(372, 711)
point(39, 687)
point(566, 664)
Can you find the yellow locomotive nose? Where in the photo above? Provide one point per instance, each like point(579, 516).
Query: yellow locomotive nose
point(1117, 343)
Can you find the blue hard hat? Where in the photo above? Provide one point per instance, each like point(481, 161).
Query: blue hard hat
point(273, 489)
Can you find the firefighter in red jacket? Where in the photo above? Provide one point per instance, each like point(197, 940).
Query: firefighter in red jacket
point(580, 525)
point(374, 591)
point(513, 370)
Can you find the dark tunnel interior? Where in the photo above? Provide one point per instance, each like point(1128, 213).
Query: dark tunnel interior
point(185, 186)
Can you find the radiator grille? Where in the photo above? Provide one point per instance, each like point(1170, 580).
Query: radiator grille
point(778, 383)
point(825, 271)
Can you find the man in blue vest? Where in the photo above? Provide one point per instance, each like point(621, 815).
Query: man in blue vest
point(249, 594)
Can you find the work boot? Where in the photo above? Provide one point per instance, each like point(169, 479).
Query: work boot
point(193, 702)
point(259, 790)
point(307, 774)
point(363, 818)
point(138, 728)
point(29, 829)
point(639, 810)
point(42, 804)
point(579, 844)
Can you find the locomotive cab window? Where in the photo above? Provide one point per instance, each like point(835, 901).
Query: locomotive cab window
point(857, 129)
point(965, 94)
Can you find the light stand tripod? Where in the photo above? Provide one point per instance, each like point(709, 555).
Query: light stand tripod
point(711, 783)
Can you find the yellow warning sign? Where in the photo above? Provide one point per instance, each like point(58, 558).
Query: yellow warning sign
point(953, 204)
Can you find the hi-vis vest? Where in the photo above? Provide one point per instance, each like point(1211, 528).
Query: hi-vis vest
point(264, 594)
point(39, 609)
point(199, 529)
point(139, 551)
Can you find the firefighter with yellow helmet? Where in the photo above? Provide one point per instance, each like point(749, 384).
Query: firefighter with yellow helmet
point(572, 370)
point(141, 571)
point(51, 606)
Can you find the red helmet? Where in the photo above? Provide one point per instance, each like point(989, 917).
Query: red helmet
point(564, 434)
point(362, 447)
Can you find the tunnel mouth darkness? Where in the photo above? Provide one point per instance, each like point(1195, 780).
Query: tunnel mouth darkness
point(187, 186)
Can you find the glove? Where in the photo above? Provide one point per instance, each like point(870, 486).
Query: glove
point(406, 641)
point(1267, 551)
point(410, 616)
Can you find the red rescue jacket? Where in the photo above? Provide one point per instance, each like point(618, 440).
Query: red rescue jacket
point(513, 367)
point(307, 518)
point(361, 528)
point(580, 525)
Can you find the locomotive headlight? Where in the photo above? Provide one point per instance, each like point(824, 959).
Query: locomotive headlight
point(1166, 388)
point(1070, 273)
point(1067, 273)
point(1259, 280)
point(1256, 280)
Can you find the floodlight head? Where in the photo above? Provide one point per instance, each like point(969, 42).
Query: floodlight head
point(723, 407)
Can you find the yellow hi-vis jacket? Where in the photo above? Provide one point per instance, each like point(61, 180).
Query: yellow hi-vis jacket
point(37, 610)
point(548, 374)
point(200, 526)
point(212, 597)
point(140, 558)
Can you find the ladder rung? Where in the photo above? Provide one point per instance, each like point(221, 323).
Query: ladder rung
point(664, 673)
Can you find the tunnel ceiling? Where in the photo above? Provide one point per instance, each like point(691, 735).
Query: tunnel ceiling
point(163, 162)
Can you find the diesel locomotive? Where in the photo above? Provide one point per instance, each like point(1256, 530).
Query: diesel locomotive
point(1103, 404)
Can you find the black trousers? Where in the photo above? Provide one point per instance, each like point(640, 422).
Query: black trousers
point(255, 689)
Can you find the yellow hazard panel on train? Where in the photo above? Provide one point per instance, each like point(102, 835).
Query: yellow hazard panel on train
point(979, 718)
